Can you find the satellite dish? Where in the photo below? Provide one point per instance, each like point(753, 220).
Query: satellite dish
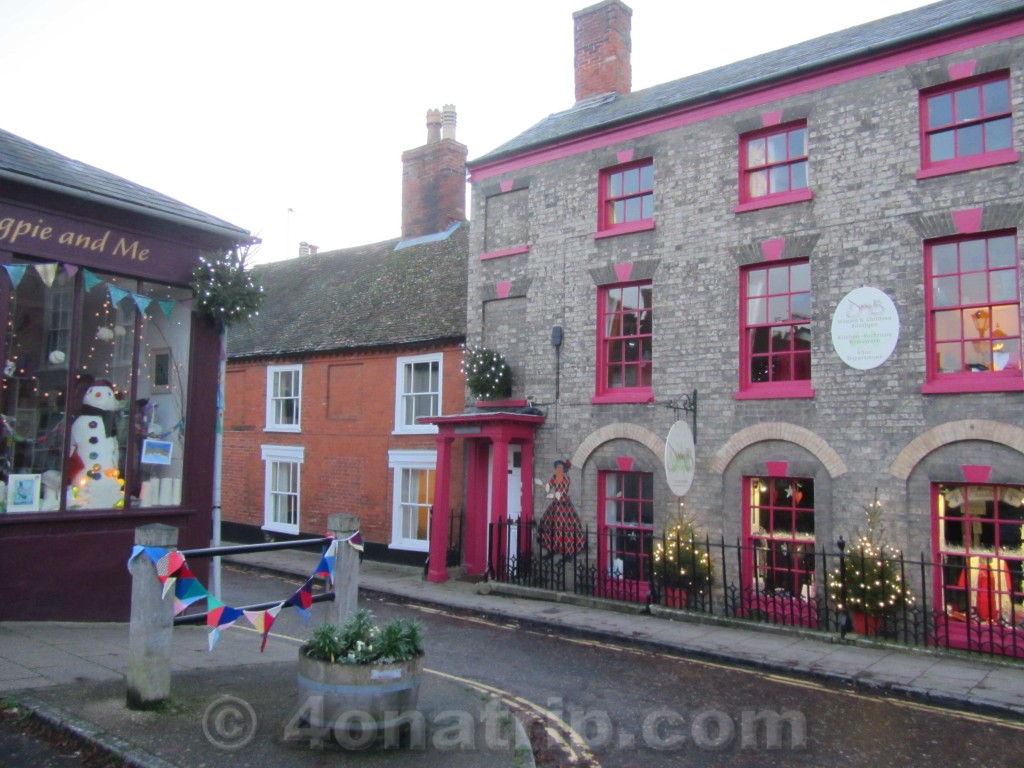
point(680, 458)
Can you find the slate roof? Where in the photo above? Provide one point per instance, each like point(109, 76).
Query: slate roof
point(604, 112)
point(28, 163)
point(358, 298)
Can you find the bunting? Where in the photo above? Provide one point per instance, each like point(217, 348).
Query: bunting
point(178, 579)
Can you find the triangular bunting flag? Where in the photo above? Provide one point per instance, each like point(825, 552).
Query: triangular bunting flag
point(71, 269)
point(15, 272)
point(169, 564)
point(167, 305)
point(213, 637)
point(117, 295)
point(302, 598)
point(141, 302)
point(356, 541)
point(47, 272)
point(91, 281)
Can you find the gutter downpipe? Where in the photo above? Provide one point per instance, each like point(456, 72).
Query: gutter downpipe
point(218, 456)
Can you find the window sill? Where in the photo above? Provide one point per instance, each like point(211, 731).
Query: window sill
point(515, 251)
point(293, 430)
point(281, 528)
point(625, 229)
point(973, 383)
point(625, 396)
point(422, 429)
point(410, 546)
point(972, 163)
point(770, 201)
point(774, 392)
point(500, 403)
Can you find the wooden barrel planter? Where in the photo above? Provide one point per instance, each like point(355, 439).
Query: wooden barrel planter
point(359, 700)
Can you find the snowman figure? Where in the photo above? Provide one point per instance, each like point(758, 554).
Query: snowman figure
point(93, 479)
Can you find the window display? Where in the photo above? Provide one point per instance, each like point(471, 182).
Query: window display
point(94, 389)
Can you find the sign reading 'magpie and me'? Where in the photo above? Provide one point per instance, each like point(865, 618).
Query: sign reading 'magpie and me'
point(48, 235)
point(865, 328)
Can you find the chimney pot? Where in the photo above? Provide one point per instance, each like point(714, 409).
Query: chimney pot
point(433, 126)
point(448, 122)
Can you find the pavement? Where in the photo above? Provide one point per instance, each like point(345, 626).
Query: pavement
point(235, 704)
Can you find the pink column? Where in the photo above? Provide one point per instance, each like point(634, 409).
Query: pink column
point(437, 570)
point(499, 498)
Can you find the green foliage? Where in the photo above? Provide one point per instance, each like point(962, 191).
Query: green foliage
point(873, 572)
point(361, 641)
point(488, 374)
point(224, 288)
point(680, 560)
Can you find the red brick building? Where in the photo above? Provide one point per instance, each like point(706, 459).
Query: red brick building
point(351, 347)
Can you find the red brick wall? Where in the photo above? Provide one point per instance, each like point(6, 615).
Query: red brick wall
point(347, 423)
point(602, 50)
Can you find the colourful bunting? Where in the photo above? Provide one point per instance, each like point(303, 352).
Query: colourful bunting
point(15, 272)
point(117, 295)
point(48, 272)
point(91, 281)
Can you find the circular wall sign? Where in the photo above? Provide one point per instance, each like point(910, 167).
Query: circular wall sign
point(680, 458)
point(865, 328)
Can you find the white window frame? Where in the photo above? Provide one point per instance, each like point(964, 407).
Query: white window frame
point(397, 462)
point(272, 425)
point(401, 428)
point(281, 454)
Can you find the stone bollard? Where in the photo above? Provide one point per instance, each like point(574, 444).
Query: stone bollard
point(346, 568)
point(152, 623)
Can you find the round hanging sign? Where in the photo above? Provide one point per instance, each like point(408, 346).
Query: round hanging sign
point(865, 328)
point(680, 458)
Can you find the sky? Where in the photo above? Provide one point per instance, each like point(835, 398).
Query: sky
point(289, 118)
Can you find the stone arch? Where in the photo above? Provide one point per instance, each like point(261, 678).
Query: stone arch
point(620, 430)
point(952, 432)
point(778, 430)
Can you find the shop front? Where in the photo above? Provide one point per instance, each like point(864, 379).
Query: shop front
point(109, 381)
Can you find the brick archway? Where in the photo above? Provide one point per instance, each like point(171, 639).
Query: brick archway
point(620, 430)
point(953, 432)
point(778, 430)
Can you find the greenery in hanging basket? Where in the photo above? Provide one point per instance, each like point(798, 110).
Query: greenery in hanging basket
point(873, 573)
point(487, 373)
point(360, 640)
point(224, 288)
point(680, 561)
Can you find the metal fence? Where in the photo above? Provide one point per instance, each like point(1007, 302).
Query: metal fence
point(957, 603)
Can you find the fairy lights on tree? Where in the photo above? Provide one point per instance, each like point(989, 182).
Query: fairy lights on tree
point(487, 373)
point(224, 288)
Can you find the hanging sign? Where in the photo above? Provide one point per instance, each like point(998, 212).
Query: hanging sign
point(865, 328)
point(680, 458)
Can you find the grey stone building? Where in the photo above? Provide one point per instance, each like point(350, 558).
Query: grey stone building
point(815, 251)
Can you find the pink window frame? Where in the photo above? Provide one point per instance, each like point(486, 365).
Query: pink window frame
point(789, 388)
point(960, 163)
point(607, 228)
point(748, 202)
point(966, 380)
point(978, 613)
point(642, 393)
point(618, 587)
point(789, 602)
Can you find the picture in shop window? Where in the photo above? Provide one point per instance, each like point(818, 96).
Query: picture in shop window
point(981, 528)
point(94, 389)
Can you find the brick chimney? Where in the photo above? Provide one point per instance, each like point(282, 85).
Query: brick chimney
point(602, 37)
point(434, 178)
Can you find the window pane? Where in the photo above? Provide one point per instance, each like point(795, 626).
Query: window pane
point(615, 185)
point(757, 282)
point(1002, 285)
point(949, 359)
point(777, 148)
point(946, 291)
point(996, 97)
point(800, 277)
point(940, 110)
point(798, 142)
point(941, 146)
point(799, 175)
point(969, 140)
point(648, 207)
point(756, 153)
point(944, 259)
point(758, 184)
point(618, 213)
point(1002, 251)
point(779, 179)
point(997, 135)
point(974, 288)
point(948, 325)
point(972, 255)
point(778, 308)
point(647, 177)
point(968, 104)
point(778, 280)
point(756, 311)
point(631, 182)
point(801, 305)
point(633, 209)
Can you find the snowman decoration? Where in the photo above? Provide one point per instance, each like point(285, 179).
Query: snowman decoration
point(93, 479)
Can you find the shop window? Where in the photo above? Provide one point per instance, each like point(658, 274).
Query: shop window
point(775, 345)
point(626, 532)
point(774, 167)
point(418, 392)
point(973, 302)
point(87, 424)
point(284, 398)
point(626, 198)
point(779, 520)
point(625, 343)
point(967, 125)
point(980, 552)
point(282, 475)
point(412, 498)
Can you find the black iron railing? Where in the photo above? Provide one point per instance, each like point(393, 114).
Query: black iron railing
point(784, 582)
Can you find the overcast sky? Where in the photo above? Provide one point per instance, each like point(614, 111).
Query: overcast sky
point(246, 108)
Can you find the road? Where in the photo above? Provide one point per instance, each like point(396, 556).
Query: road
point(615, 706)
